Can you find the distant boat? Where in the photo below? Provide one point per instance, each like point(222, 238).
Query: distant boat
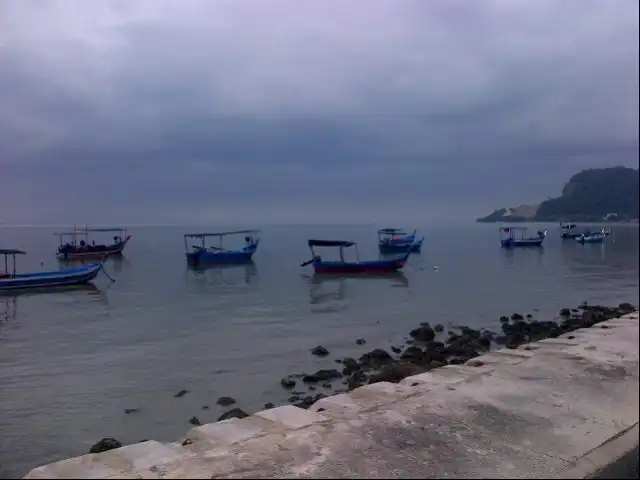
point(395, 240)
point(569, 231)
point(592, 237)
point(343, 267)
point(46, 279)
point(74, 245)
point(515, 237)
point(203, 254)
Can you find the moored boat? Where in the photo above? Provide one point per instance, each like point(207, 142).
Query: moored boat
point(570, 231)
point(203, 254)
point(10, 280)
point(515, 237)
point(396, 240)
point(343, 267)
point(592, 237)
point(74, 245)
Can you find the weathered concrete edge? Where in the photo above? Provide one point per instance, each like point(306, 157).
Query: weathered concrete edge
point(614, 457)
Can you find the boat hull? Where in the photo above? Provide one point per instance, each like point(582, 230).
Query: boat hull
point(570, 236)
point(594, 239)
point(400, 247)
point(374, 267)
point(93, 252)
point(51, 279)
point(207, 257)
point(527, 242)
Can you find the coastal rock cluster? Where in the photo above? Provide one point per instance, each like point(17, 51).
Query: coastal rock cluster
point(427, 348)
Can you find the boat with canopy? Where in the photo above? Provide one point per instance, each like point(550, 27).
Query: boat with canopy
point(515, 237)
point(343, 266)
point(202, 253)
point(75, 245)
point(11, 280)
point(396, 240)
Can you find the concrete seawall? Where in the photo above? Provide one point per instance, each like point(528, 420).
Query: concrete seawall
point(558, 408)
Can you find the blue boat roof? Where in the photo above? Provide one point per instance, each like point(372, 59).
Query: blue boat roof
point(12, 251)
point(330, 243)
point(220, 234)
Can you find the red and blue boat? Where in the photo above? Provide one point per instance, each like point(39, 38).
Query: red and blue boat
point(396, 240)
point(203, 254)
point(344, 267)
point(75, 245)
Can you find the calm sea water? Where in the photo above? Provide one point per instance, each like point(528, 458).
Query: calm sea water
point(72, 362)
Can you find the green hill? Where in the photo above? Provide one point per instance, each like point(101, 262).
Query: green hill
point(590, 196)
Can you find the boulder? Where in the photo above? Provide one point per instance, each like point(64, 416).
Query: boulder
point(320, 351)
point(105, 444)
point(423, 334)
point(226, 401)
point(397, 372)
point(287, 383)
point(233, 413)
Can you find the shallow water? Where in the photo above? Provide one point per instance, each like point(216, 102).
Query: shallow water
point(71, 362)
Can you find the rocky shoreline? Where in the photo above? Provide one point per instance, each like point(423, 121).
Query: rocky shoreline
point(428, 347)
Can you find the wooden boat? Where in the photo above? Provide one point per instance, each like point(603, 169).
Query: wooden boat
point(395, 240)
point(47, 279)
point(201, 254)
point(510, 238)
point(74, 245)
point(343, 267)
point(592, 237)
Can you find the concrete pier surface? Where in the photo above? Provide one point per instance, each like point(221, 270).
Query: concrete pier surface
point(558, 408)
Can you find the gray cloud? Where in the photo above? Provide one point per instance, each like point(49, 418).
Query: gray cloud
point(198, 111)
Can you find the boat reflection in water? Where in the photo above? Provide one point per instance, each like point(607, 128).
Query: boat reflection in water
point(319, 293)
point(224, 274)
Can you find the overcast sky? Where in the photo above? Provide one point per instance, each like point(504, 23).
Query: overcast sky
point(315, 111)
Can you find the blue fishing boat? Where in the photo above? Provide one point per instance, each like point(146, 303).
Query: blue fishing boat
point(343, 267)
point(203, 254)
point(515, 237)
point(592, 237)
point(10, 280)
point(395, 240)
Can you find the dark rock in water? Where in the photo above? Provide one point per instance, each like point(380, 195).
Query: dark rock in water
point(395, 373)
point(350, 366)
point(195, 421)
point(410, 342)
point(322, 375)
point(142, 441)
point(412, 354)
point(529, 315)
point(438, 328)
point(105, 444)
point(425, 324)
point(376, 358)
point(501, 340)
point(205, 407)
point(356, 380)
point(361, 341)
point(233, 413)
point(226, 401)
point(295, 398)
point(565, 312)
point(626, 308)
point(320, 351)
point(181, 393)
point(485, 342)
point(396, 349)
point(338, 360)
point(269, 405)
point(130, 410)
point(504, 319)
point(308, 401)
point(311, 387)
point(516, 316)
point(423, 334)
point(287, 383)
point(326, 385)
